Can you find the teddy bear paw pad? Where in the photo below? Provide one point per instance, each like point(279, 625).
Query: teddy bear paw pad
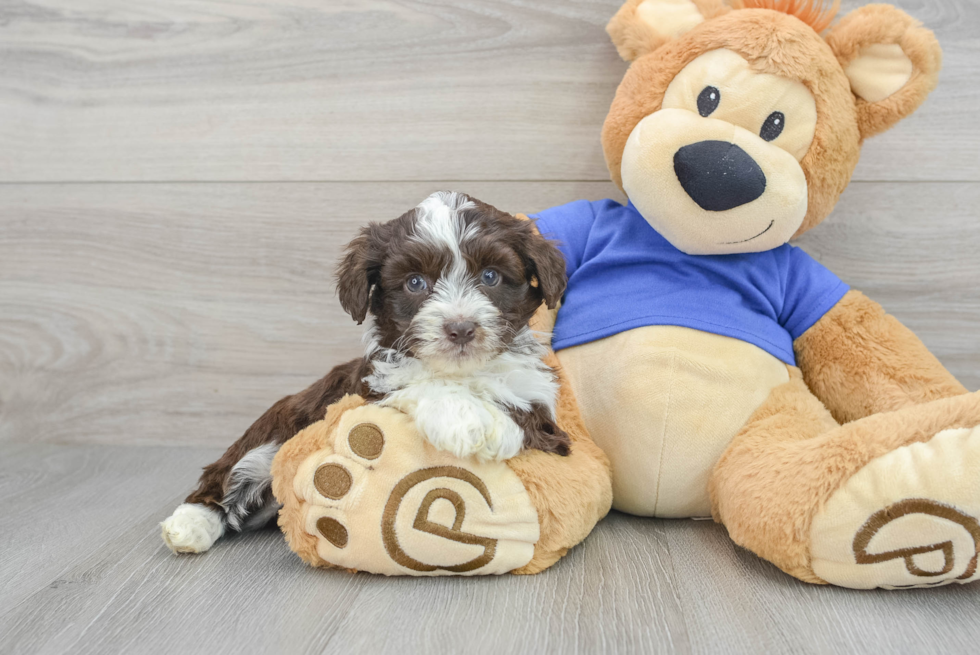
point(382, 499)
point(910, 518)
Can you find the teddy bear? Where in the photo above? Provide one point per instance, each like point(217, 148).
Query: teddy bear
point(720, 370)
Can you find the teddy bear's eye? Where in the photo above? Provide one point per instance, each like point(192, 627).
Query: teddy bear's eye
point(773, 126)
point(708, 100)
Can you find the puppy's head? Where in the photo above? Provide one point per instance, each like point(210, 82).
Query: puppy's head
point(450, 282)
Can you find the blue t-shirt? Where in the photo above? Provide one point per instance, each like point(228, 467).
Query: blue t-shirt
point(622, 275)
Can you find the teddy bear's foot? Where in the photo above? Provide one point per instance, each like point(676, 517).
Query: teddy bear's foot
point(377, 497)
point(910, 518)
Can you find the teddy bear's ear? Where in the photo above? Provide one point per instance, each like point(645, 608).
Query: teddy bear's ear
point(642, 26)
point(892, 63)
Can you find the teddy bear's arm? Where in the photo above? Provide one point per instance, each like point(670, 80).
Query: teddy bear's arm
point(859, 361)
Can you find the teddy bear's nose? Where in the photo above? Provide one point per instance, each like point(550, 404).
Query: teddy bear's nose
point(718, 175)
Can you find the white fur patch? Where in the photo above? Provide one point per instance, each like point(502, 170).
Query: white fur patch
point(461, 407)
point(437, 220)
point(456, 295)
point(192, 528)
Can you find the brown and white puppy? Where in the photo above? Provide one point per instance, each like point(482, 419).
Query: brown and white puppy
point(451, 286)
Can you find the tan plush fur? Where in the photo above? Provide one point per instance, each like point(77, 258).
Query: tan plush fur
point(635, 37)
point(818, 14)
point(792, 456)
point(781, 44)
point(572, 493)
point(861, 361)
point(772, 43)
point(875, 24)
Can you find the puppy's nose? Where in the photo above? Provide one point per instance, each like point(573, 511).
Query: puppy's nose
point(718, 175)
point(460, 332)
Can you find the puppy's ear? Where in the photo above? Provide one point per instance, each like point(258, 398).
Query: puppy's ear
point(359, 271)
point(547, 265)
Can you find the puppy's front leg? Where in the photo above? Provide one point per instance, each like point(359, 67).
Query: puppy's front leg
point(465, 426)
point(235, 492)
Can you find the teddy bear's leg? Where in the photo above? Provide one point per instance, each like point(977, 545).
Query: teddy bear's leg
point(890, 500)
point(362, 490)
point(858, 360)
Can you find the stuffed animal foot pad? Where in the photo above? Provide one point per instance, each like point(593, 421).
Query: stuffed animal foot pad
point(377, 497)
point(910, 518)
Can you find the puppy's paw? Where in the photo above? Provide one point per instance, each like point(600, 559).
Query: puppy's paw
point(455, 424)
point(469, 427)
point(192, 528)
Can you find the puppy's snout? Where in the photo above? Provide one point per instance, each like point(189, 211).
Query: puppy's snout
point(718, 175)
point(460, 332)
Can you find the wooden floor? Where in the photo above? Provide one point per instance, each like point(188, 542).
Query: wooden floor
point(176, 180)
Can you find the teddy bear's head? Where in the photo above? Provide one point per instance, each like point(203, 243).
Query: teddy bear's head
point(736, 129)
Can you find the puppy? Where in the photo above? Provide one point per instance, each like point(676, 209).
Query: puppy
point(451, 286)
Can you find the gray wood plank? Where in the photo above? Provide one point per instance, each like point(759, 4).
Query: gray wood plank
point(165, 314)
point(635, 585)
point(250, 593)
point(62, 503)
point(735, 602)
point(368, 90)
point(614, 593)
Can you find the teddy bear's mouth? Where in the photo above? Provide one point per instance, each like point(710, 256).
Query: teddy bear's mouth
point(768, 227)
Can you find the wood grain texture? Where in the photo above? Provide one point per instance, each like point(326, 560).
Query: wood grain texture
point(735, 602)
point(636, 585)
point(164, 314)
point(368, 90)
point(61, 502)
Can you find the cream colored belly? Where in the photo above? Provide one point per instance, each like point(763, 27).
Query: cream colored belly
point(664, 402)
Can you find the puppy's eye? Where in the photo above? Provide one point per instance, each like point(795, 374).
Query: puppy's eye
point(773, 126)
point(416, 284)
point(490, 277)
point(708, 100)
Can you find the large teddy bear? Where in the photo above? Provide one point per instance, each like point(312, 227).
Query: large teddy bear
point(722, 371)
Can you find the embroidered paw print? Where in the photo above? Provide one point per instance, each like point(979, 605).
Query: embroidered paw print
point(383, 500)
point(333, 481)
point(933, 562)
point(910, 518)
